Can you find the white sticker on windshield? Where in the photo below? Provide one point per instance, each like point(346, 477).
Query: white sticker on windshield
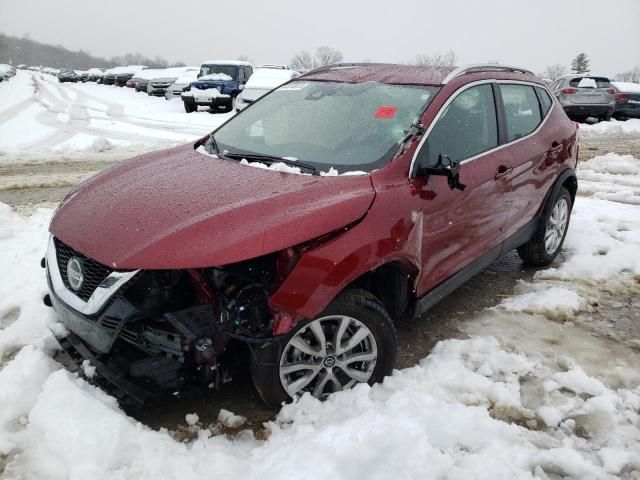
point(294, 86)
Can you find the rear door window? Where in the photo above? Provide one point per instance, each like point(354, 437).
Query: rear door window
point(590, 82)
point(467, 127)
point(521, 108)
point(545, 101)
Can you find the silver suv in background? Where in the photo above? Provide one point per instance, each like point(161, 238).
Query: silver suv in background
point(583, 96)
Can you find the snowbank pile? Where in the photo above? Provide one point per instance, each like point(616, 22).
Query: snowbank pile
point(613, 127)
point(611, 177)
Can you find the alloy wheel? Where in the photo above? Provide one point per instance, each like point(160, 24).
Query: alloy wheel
point(556, 226)
point(327, 355)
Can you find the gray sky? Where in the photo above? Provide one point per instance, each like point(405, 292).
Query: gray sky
point(530, 33)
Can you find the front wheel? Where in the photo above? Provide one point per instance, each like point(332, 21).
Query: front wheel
point(190, 107)
point(352, 341)
point(547, 241)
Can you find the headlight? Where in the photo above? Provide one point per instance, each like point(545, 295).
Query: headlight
point(219, 87)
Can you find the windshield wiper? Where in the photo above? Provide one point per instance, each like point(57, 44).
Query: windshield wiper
point(211, 142)
point(271, 159)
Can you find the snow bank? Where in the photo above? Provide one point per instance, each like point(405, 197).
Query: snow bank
point(611, 177)
point(612, 127)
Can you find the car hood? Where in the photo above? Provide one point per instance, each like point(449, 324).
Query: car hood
point(179, 208)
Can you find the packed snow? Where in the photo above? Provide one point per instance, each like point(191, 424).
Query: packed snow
point(539, 389)
point(40, 116)
point(629, 127)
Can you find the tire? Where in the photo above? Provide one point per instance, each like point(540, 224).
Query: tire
point(547, 241)
point(354, 308)
point(190, 107)
point(231, 104)
point(605, 118)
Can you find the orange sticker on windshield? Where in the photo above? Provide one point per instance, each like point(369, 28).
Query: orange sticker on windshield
point(386, 112)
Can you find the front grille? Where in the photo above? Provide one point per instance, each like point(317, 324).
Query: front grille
point(93, 272)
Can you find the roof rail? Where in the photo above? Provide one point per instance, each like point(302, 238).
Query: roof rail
point(483, 67)
point(325, 68)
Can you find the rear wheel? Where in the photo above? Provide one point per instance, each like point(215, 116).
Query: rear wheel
point(605, 118)
point(352, 341)
point(547, 242)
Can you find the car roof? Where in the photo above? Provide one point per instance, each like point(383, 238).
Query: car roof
point(392, 73)
point(580, 75)
point(226, 62)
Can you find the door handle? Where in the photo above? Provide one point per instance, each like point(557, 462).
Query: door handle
point(503, 172)
point(555, 150)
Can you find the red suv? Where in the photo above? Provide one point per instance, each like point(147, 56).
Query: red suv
point(306, 225)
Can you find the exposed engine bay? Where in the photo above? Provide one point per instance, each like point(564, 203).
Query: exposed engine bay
point(169, 329)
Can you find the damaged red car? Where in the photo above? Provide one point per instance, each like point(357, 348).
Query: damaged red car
point(306, 226)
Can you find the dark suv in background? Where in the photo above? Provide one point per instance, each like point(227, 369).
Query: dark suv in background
point(217, 86)
point(415, 179)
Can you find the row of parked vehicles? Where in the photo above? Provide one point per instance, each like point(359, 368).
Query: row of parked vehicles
point(585, 96)
point(216, 84)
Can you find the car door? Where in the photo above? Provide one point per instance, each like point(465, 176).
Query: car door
point(461, 226)
point(530, 151)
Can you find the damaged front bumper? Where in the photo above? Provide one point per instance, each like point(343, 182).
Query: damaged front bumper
point(140, 352)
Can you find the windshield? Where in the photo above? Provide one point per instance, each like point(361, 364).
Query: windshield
point(229, 70)
point(342, 125)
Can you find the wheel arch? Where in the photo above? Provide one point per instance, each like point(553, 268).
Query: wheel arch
point(567, 179)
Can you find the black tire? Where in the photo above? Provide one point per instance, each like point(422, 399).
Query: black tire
point(190, 107)
point(605, 118)
point(231, 103)
point(534, 252)
point(357, 304)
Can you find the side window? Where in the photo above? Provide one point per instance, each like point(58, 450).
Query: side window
point(241, 74)
point(249, 72)
point(545, 100)
point(467, 127)
point(521, 108)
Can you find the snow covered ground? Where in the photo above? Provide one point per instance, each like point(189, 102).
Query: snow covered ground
point(39, 115)
point(541, 388)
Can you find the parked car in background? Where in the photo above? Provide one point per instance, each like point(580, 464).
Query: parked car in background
point(583, 96)
point(67, 75)
point(218, 84)
point(121, 77)
point(158, 85)
point(83, 75)
point(121, 74)
point(417, 179)
point(95, 74)
point(180, 85)
point(263, 80)
point(140, 79)
point(627, 100)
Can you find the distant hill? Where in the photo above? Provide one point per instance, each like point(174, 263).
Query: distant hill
point(18, 51)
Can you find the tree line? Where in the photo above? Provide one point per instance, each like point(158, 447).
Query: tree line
point(23, 50)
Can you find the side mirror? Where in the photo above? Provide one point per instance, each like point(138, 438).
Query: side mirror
point(447, 168)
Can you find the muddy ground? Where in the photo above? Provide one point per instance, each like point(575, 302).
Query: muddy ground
point(28, 182)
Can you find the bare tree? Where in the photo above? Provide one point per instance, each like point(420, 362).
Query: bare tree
point(302, 61)
point(244, 58)
point(554, 71)
point(438, 60)
point(632, 75)
point(327, 56)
